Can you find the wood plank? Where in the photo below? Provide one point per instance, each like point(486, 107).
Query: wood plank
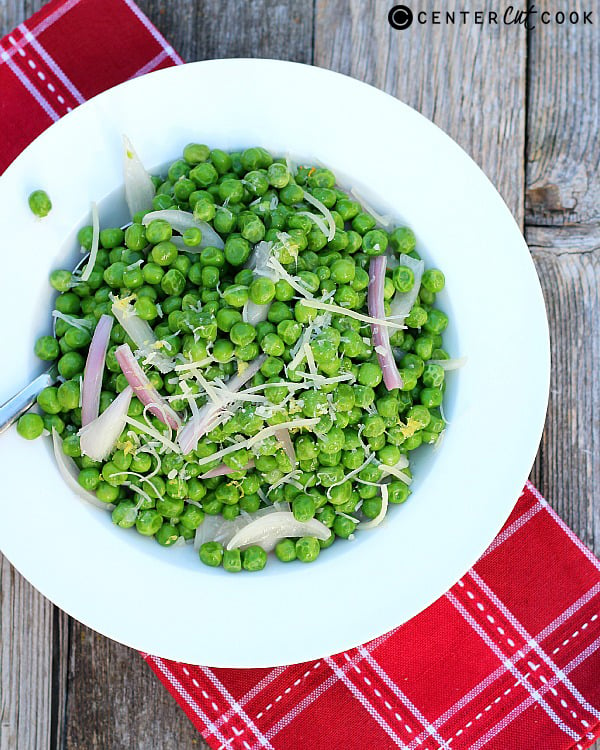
point(568, 466)
point(563, 150)
point(563, 217)
point(470, 80)
point(206, 29)
point(33, 657)
point(115, 701)
point(563, 192)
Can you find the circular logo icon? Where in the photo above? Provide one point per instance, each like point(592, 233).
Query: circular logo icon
point(400, 17)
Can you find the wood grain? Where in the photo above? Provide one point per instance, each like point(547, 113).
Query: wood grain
point(503, 97)
point(33, 654)
point(448, 73)
point(208, 29)
point(563, 150)
point(568, 466)
point(116, 703)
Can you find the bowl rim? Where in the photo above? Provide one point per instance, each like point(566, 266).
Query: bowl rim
point(21, 558)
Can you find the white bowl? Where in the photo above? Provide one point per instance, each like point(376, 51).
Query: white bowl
point(165, 601)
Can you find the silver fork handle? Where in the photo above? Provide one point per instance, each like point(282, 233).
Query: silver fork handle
point(12, 409)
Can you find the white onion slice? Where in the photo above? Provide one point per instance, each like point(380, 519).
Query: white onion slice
point(222, 470)
point(449, 364)
point(182, 220)
point(144, 389)
point(98, 438)
point(401, 303)
point(381, 336)
point(217, 529)
point(87, 272)
point(286, 443)
point(268, 530)
point(203, 422)
point(141, 333)
point(94, 370)
point(366, 525)
point(255, 314)
point(139, 188)
point(69, 471)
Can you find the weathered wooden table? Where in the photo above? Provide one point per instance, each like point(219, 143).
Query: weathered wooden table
point(526, 105)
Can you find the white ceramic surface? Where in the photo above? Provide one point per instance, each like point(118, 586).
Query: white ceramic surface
point(164, 601)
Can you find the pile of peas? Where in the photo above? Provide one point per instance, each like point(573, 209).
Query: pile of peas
point(194, 300)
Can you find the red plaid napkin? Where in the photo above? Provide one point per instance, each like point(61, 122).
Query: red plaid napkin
point(508, 659)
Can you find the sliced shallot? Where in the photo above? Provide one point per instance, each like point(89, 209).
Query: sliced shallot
point(381, 337)
point(98, 438)
point(222, 470)
point(141, 333)
point(87, 272)
point(143, 388)
point(182, 220)
point(94, 370)
point(139, 188)
point(268, 530)
point(402, 302)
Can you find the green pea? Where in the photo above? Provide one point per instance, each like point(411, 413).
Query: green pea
point(135, 237)
point(89, 479)
point(237, 250)
point(343, 527)
point(221, 161)
point(61, 280)
point(433, 376)
point(30, 426)
point(307, 549)
point(124, 514)
point(363, 223)
point(211, 553)
point(231, 191)
point(148, 522)
point(242, 333)
point(68, 303)
point(437, 321)
point(71, 364)
point(417, 317)
point(68, 395)
point(398, 492)
point(46, 348)
point(48, 400)
point(403, 278)
point(112, 237)
point(285, 550)
point(403, 240)
point(164, 253)
point(232, 560)
point(194, 153)
point(173, 282)
point(166, 535)
point(431, 397)
point(40, 203)
point(262, 291)
point(303, 508)
point(433, 280)
point(254, 558)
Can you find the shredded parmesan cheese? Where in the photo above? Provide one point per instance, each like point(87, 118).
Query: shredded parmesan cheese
point(324, 210)
point(258, 438)
point(337, 310)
